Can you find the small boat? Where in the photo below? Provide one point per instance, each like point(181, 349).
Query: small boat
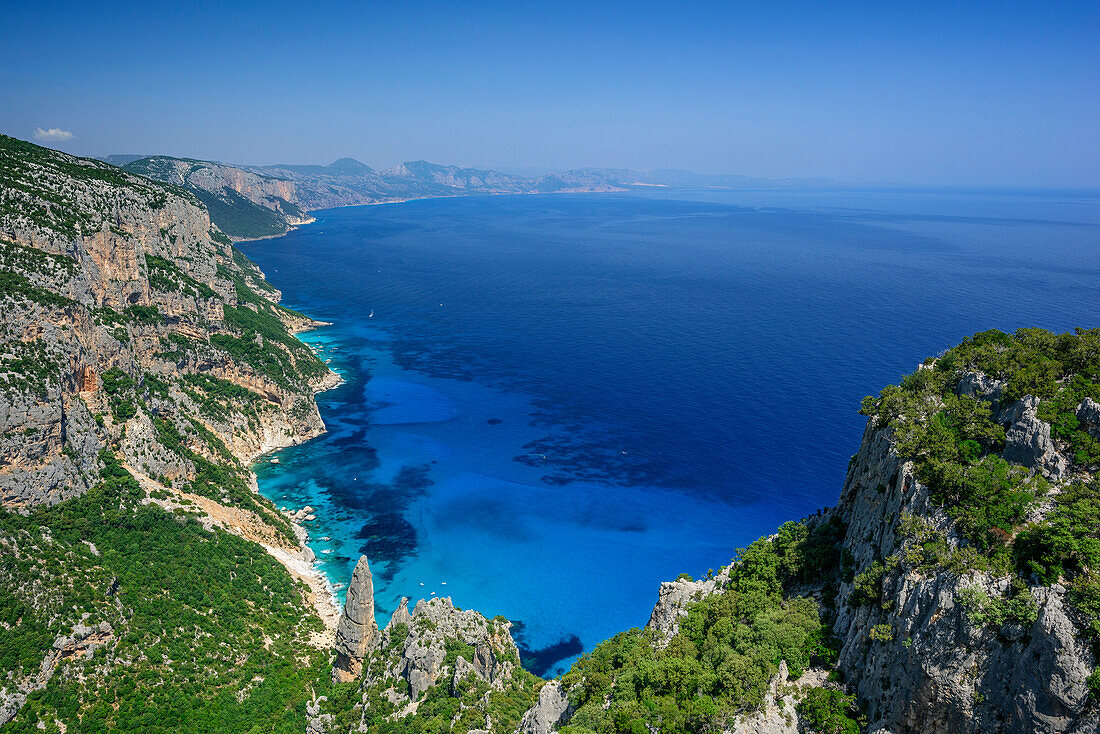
point(371, 314)
point(274, 461)
point(327, 550)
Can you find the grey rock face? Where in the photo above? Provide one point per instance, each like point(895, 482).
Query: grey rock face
point(82, 643)
point(978, 385)
point(316, 722)
point(551, 710)
point(673, 600)
point(357, 633)
point(779, 714)
point(412, 651)
point(1027, 440)
point(927, 668)
point(1088, 412)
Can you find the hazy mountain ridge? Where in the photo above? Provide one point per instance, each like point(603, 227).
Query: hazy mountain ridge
point(262, 201)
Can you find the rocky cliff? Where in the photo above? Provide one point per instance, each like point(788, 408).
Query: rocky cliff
point(143, 363)
point(435, 663)
point(129, 317)
point(244, 204)
point(957, 582)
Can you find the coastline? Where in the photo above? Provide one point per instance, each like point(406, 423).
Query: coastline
point(301, 562)
point(403, 200)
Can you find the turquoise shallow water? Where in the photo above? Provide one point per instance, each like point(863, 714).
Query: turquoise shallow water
point(561, 401)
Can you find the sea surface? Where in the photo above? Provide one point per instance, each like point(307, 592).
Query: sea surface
point(553, 403)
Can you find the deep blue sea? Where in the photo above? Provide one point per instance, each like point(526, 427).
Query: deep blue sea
point(560, 401)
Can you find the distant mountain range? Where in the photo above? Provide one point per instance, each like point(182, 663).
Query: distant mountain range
point(262, 201)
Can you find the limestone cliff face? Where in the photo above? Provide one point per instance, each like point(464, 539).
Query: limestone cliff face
point(115, 334)
point(244, 203)
point(916, 659)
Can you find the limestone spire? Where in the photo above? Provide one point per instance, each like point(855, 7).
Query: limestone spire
point(357, 632)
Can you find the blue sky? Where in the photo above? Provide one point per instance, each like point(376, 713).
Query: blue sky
point(921, 92)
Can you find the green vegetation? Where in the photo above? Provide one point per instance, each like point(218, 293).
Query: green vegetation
point(1093, 682)
point(32, 260)
point(207, 629)
point(441, 709)
point(119, 388)
point(16, 287)
point(264, 341)
point(36, 183)
point(166, 276)
point(223, 481)
point(956, 444)
point(984, 610)
point(251, 271)
point(1066, 546)
point(234, 214)
point(145, 314)
point(239, 217)
point(27, 367)
point(727, 649)
point(219, 398)
point(829, 711)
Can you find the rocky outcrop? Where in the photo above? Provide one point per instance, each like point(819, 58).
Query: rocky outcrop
point(438, 647)
point(674, 598)
point(1088, 412)
point(779, 712)
point(552, 709)
point(316, 721)
point(1027, 439)
point(357, 633)
point(420, 646)
point(81, 644)
point(915, 660)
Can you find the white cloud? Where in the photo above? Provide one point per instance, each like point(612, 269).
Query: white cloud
point(53, 135)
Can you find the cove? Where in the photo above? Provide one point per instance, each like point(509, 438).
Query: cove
point(561, 401)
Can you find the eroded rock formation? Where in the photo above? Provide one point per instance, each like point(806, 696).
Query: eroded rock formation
point(357, 633)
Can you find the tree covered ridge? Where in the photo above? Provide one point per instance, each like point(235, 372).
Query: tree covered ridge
point(208, 632)
point(774, 605)
point(778, 600)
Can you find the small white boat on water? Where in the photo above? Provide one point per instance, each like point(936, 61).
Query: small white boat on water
point(371, 314)
point(274, 461)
